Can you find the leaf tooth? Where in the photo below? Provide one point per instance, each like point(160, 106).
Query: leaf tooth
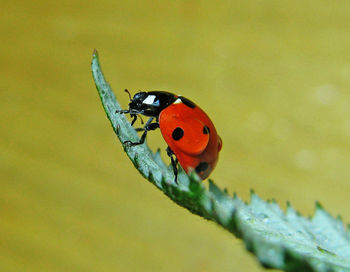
point(339, 218)
point(291, 211)
point(252, 192)
point(194, 186)
point(318, 205)
point(193, 177)
point(288, 204)
point(254, 198)
point(215, 189)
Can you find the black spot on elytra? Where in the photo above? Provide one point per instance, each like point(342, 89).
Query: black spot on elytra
point(201, 167)
point(206, 130)
point(187, 102)
point(177, 134)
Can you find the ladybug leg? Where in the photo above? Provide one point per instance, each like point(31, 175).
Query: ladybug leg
point(149, 126)
point(174, 162)
point(134, 116)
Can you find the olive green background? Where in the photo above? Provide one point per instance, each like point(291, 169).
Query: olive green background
point(273, 75)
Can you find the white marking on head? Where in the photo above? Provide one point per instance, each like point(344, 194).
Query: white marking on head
point(177, 101)
point(149, 100)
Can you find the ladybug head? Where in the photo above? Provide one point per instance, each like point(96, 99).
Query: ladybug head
point(143, 103)
point(136, 103)
point(150, 103)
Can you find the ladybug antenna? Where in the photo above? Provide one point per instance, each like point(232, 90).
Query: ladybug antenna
point(126, 90)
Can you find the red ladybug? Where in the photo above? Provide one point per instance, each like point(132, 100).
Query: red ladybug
point(186, 128)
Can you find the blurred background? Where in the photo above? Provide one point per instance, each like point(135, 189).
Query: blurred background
point(273, 75)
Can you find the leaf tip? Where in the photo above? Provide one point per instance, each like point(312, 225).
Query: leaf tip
point(95, 53)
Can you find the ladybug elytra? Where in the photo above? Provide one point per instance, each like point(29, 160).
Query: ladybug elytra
point(190, 134)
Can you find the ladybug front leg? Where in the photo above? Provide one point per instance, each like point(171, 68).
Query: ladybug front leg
point(174, 162)
point(149, 126)
point(133, 115)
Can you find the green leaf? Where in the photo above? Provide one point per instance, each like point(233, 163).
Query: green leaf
point(284, 240)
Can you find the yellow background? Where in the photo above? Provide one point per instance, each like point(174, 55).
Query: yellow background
point(273, 75)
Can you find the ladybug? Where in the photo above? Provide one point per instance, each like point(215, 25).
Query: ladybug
point(186, 128)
